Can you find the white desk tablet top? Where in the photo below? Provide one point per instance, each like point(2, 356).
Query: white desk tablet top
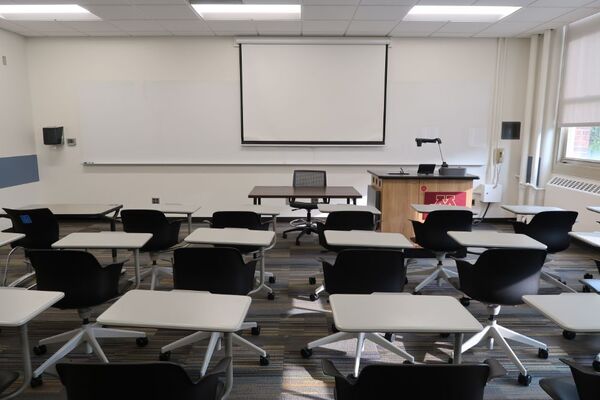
point(76, 209)
point(497, 240)
point(575, 312)
point(167, 208)
point(385, 240)
point(19, 306)
point(328, 208)
point(591, 238)
point(398, 313)
point(260, 209)
point(594, 284)
point(9, 237)
point(178, 309)
point(529, 210)
point(103, 240)
point(595, 209)
point(427, 208)
point(231, 236)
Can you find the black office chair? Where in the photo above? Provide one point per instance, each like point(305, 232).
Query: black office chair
point(584, 384)
point(7, 378)
point(144, 380)
point(416, 381)
point(502, 277)
point(218, 270)
point(552, 229)
point(40, 228)
point(86, 285)
point(432, 234)
point(363, 271)
point(165, 235)
point(341, 221)
point(306, 178)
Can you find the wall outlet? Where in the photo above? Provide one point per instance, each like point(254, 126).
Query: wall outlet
point(156, 200)
point(71, 142)
point(499, 155)
point(4, 62)
point(491, 193)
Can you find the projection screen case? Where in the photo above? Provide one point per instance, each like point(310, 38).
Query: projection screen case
point(313, 94)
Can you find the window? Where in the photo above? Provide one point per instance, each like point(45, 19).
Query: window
point(582, 143)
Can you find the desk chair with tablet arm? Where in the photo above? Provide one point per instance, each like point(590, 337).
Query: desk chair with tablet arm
point(584, 384)
point(432, 234)
point(40, 228)
point(86, 285)
point(218, 270)
point(165, 236)
point(501, 277)
point(552, 229)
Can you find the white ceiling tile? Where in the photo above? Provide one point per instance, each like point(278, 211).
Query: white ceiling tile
point(537, 14)
point(389, 2)
point(451, 34)
point(279, 27)
point(91, 26)
point(237, 33)
point(370, 28)
point(184, 25)
point(559, 3)
point(380, 13)
point(503, 3)
point(594, 4)
point(207, 33)
point(446, 2)
point(138, 26)
point(233, 27)
point(161, 2)
point(327, 12)
point(324, 27)
point(166, 12)
point(408, 34)
point(325, 2)
point(464, 27)
point(417, 27)
point(114, 12)
point(46, 26)
point(270, 1)
point(505, 29)
point(576, 15)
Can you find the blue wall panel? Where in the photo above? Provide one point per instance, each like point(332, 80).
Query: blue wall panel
point(18, 170)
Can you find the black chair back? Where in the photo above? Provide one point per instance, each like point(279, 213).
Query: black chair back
point(78, 274)
point(219, 270)
point(440, 382)
point(144, 380)
point(365, 271)
point(502, 276)
point(551, 228)
point(39, 226)
point(587, 380)
point(345, 221)
point(165, 234)
point(237, 219)
point(433, 233)
point(310, 178)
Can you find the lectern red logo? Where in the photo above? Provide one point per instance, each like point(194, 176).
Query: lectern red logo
point(446, 198)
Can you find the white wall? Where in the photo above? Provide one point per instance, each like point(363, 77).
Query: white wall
point(16, 127)
point(59, 65)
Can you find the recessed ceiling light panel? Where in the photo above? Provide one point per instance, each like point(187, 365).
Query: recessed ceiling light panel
point(257, 12)
point(45, 12)
point(459, 13)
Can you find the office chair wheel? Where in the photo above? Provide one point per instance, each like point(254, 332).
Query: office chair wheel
point(569, 335)
point(524, 380)
point(36, 381)
point(586, 289)
point(297, 242)
point(588, 276)
point(314, 297)
point(306, 352)
point(450, 360)
point(444, 335)
point(543, 354)
point(389, 336)
point(255, 331)
point(417, 293)
point(166, 356)
point(271, 296)
point(264, 360)
point(284, 235)
point(312, 280)
point(596, 365)
point(40, 350)
point(407, 362)
point(141, 342)
point(406, 281)
point(334, 329)
point(465, 301)
point(272, 279)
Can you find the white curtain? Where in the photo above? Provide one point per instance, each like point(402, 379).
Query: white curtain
point(580, 98)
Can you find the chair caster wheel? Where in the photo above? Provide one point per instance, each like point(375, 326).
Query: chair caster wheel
point(312, 280)
point(596, 365)
point(334, 329)
point(271, 296)
point(586, 289)
point(141, 342)
point(569, 335)
point(408, 362)
point(255, 331)
point(543, 354)
point(465, 301)
point(36, 381)
point(264, 360)
point(272, 279)
point(166, 356)
point(284, 235)
point(306, 352)
point(444, 335)
point(588, 276)
point(40, 350)
point(524, 380)
point(389, 337)
point(450, 360)
point(417, 293)
point(297, 243)
point(314, 297)
point(406, 281)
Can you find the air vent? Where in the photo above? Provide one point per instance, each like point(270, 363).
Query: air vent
point(575, 184)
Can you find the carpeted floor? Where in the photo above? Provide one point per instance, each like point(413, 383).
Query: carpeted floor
point(292, 320)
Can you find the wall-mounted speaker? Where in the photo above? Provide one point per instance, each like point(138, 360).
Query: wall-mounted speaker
point(511, 130)
point(53, 135)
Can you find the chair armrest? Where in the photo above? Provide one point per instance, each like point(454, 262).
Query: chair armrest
point(330, 370)
point(115, 264)
point(219, 369)
point(519, 227)
point(496, 369)
point(584, 369)
point(323, 260)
